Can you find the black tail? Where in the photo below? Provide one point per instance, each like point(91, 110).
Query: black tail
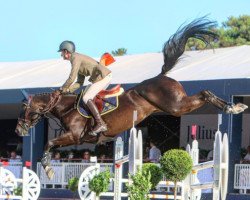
point(175, 46)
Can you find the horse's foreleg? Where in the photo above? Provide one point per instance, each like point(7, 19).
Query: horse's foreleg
point(64, 140)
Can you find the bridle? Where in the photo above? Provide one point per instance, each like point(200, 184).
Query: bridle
point(27, 123)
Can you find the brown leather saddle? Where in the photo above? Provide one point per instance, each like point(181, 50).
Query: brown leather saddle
point(106, 101)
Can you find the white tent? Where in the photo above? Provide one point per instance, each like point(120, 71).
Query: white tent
point(224, 63)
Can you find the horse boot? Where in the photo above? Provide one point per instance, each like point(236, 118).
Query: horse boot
point(100, 126)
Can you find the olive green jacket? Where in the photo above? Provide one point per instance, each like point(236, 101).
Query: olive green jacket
point(83, 66)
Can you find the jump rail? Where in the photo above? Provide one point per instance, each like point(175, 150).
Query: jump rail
point(192, 187)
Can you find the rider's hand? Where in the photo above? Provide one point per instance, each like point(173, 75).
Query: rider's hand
point(64, 90)
point(57, 92)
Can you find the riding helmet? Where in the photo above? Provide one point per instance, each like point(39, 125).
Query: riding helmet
point(67, 45)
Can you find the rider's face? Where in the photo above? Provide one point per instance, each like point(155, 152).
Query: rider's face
point(65, 55)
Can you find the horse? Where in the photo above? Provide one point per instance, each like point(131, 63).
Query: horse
point(157, 94)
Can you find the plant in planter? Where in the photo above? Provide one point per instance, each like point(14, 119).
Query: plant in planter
point(176, 164)
point(18, 191)
point(100, 182)
point(73, 185)
point(155, 171)
point(140, 186)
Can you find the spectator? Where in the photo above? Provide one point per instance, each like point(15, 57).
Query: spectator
point(154, 153)
point(102, 158)
point(246, 159)
point(14, 157)
point(86, 157)
point(70, 156)
point(57, 158)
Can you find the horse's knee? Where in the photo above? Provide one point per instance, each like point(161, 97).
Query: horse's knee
point(46, 159)
point(49, 145)
point(207, 95)
point(176, 112)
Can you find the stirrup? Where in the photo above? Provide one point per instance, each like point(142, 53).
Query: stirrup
point(94, 133)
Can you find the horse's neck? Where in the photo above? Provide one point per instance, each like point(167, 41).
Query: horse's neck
point(65, 104)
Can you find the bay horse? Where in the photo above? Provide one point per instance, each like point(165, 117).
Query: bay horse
point(158, 94)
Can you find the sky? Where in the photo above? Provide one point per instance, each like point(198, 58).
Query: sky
point(33, 30)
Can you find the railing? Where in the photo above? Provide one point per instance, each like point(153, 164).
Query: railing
point(64, 172)
point(242, 177)
point(16, 168)
point(67, 170)
point(204, 176)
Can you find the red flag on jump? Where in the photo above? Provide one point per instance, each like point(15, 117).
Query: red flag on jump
point(193, 133)
point(5, 163)
point(27, 164)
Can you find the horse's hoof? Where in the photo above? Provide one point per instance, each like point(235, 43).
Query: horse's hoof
point(50, 172)
point(238, 108)
point(244, 107)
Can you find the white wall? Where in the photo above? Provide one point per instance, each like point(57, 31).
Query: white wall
point(245, 140)
point(207, 126)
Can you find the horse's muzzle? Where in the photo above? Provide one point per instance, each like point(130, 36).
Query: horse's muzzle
point(21, 131)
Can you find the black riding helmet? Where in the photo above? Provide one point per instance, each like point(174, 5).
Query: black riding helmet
point(67, 45)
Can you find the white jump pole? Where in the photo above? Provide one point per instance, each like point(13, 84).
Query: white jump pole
point(219, 164)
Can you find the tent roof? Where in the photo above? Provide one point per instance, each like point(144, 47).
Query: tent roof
point(224, 63)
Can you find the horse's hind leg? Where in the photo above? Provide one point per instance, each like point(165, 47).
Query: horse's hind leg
point(189, 103)
point(64, 140)
point(223, 105)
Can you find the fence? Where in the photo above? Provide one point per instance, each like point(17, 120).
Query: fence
point(16, 168)
point(242, 177)
point(64, 172)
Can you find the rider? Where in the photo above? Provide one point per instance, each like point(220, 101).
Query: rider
point(82, 66)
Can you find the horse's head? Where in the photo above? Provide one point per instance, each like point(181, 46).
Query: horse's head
point(32, 110)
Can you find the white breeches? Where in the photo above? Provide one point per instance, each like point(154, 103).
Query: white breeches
point(95, 88)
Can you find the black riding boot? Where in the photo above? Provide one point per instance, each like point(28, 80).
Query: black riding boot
point(100, 126)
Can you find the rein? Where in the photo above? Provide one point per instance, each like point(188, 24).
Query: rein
point(54, 99)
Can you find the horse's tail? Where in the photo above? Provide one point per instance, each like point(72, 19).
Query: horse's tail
point(200, 28)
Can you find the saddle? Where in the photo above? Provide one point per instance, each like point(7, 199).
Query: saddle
point(106, 101)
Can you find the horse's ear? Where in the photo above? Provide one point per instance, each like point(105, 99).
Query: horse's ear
point(29, 99)
point(25, 94)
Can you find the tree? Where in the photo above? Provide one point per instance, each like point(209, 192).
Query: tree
point(140, 186)
point(119, 52)
point(233, 32)
point(154, 171)
point(176, 164)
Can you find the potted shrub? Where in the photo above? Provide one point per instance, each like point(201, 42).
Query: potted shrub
point(155, 171)
point(100, 182)
point(73, 185)
point(140, 186)
point(176, 164)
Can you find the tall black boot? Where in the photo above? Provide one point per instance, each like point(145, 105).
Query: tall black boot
point(100, 126)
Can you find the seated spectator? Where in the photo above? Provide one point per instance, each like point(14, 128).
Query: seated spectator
point(86, 157)
point(246, 159)
point(56, 158)
point(14, 157)
point(70, 156)
point(102, 158)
